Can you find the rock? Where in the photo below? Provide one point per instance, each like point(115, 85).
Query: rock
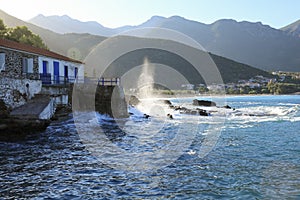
point(133, 100)
point(197, 102)
point(170, 116)
point(146, 116)
point(227, 107)
point(177, 108)
point(22, 126)
point(198, 111)
point(203, 112)
point(168, 102)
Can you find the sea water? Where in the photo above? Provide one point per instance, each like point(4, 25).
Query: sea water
point(248, 152)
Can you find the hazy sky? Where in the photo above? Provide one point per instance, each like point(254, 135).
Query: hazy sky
point(115, 13)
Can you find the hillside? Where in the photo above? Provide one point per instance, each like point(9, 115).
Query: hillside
point(252, 43)
point(230, 70)
point(80, 45)
point(293, 29)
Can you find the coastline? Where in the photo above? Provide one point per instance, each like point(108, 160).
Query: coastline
point(162, 96)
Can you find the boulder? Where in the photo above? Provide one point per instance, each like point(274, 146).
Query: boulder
point(197, 102)
point(168, 102)
point(133, 100)
point(203, 112)
point(227, 107)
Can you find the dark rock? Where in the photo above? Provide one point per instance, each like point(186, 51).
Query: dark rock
point(168, 102)
point(177, 108)
point(197, 102)
point(183, 108)
point(227, 107)
point(146, 116)
point(22, 126)
point(203, 113)
point(110, 100)
point(170, 116)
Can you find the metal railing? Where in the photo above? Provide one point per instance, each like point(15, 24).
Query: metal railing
point(48, 79)
point(108, 81)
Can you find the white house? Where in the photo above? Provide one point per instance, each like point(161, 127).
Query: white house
point(24, 61)
point(26, 71)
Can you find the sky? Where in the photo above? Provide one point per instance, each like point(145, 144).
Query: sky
point(116, 13)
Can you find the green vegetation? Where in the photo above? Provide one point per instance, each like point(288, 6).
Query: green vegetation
point(232, 71)
point(283, 88)
point(270, 88)
point(21, 34)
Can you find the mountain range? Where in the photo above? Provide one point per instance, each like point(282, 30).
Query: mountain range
point(255, 44)
point(79, 45)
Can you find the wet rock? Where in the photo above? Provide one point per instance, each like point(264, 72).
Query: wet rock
point(207, 103)
point(146, 116)
point(227, 107)
point(203, 113)
point(168, 102)
point(22, 126)
point(170, 116)
point(133, 100)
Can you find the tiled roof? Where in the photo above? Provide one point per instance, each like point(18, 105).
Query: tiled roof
point(35, 50)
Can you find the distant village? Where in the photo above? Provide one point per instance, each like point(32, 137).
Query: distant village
point(282, 83)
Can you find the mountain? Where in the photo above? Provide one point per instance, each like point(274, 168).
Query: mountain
point(65, 44)
point(65, 24)
point(180, 59)
point(293, 29)
point(252, 43)
point(78, 46)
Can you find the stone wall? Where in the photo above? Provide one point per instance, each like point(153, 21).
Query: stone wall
point(111, 100)
point(14, 92)
point(14, 65)
point(58, 92)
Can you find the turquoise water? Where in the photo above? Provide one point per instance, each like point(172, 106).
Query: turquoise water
point(252, 153)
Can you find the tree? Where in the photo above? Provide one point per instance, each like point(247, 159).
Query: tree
point(3, 29)
point(271, 87)
point(23, 35)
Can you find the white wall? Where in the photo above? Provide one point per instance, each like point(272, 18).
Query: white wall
point(62, 64)
point(49, 111)
point(9, 85)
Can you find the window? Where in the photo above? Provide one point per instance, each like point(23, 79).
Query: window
point(66, 71)
point(76, 72)
point(2, 62)
point(27, 65)
point(45, 67)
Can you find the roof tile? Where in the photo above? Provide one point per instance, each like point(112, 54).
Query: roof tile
point(30, 49)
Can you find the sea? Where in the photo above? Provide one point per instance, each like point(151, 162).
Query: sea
point(248, 151)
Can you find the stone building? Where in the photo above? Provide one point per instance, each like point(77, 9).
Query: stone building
point(25, 70)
